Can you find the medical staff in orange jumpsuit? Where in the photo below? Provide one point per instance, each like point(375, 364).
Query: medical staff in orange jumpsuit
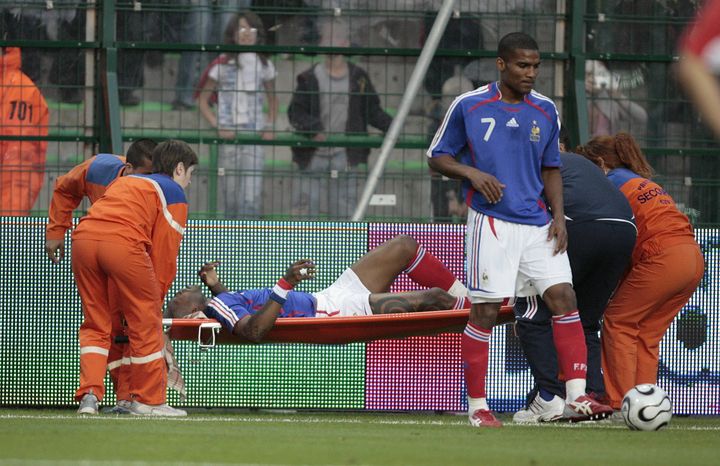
point(92, 178)
point(665, 269)
point(130, 239)
point(23, 112)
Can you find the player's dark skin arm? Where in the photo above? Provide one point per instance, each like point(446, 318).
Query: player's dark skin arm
point(255, 327)
point(554, 195)
point(208, 275)
point(484, 183)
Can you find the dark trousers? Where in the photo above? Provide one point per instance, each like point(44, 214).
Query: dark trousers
point(130, 63)
point(599, 253)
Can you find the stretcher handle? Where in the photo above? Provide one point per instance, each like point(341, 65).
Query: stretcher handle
point(214, 328)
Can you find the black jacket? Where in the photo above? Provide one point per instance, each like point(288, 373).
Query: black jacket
point(364, 108)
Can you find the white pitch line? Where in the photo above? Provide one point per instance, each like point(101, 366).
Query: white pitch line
point(320, 420)
point(258, 419)
point(42, 462)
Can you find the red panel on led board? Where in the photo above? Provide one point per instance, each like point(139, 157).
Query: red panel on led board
point(417, 373)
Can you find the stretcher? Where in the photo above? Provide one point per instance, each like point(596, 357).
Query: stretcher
point(333, 330)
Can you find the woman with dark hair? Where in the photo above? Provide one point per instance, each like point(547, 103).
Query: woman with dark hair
point(242, 82)
point(665, 269)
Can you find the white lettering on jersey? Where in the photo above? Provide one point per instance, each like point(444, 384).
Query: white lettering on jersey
point(491, 122)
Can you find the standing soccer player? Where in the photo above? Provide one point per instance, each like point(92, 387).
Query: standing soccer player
point(502, 141)
point(130, 240)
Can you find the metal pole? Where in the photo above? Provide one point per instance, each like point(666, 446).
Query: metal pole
point(111, 101)
point(410, 92)
point(577, 58)
point(90, 36)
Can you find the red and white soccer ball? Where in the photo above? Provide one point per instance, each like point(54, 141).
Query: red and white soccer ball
point(646, 407)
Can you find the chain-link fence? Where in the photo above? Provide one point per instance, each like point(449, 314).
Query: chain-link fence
point(287, 106)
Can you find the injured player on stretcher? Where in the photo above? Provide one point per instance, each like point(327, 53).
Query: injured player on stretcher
point(362, 289)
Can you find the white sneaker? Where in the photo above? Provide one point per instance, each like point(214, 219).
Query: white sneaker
point(141, 409)
point(88, 404)
point(541, 411)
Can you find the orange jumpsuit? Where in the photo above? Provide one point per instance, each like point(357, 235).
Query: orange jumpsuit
point(23, 112)
point(92, 178)
point(665, 270)
point(130, 239)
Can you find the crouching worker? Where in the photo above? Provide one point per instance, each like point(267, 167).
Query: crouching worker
point(361, 290)
point(128, 244)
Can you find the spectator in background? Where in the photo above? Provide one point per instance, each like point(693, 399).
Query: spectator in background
point(203, 23)
point(699, 66)
point(34, 21)
point(68, 68)
point(23, 112)
point(242, 82)
point(609, 110)
point(647, 28)
point(461, 33)
point(26, 22)
point(665, 269)
point(332, 98)
point(130, 63)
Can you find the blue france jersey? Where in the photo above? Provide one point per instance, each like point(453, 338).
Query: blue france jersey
point(512, 142)
point(229, 307)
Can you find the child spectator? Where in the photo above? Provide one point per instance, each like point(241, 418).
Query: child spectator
point(242, 82)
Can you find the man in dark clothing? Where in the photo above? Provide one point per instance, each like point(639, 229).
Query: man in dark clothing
point(601, 237)
point(332, 98)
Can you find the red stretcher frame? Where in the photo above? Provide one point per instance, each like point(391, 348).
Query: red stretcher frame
point(333, 330)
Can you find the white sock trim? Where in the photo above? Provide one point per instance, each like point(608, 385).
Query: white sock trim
point(574, 388)
point(477, 403)
point(458, 290)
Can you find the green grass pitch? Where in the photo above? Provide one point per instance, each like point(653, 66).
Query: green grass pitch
point(35, 437)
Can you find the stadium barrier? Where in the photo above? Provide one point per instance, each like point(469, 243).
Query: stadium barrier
point(40, 314)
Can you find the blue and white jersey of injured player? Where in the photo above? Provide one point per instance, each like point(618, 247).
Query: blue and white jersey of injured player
point(229, 307)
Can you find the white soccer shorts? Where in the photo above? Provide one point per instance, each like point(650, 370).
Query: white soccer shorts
point(347, 296)
point(510, 259)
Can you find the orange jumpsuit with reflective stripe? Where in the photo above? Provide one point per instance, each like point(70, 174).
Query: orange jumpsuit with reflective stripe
point(665, 270)
point(92, 178)
point(130, 239)
point(23, 112)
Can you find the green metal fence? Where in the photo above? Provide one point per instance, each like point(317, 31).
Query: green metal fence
point(115, 71)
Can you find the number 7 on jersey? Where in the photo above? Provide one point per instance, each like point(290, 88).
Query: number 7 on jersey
point(491, 127)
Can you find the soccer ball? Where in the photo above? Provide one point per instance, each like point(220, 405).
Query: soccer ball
point(646, 407)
